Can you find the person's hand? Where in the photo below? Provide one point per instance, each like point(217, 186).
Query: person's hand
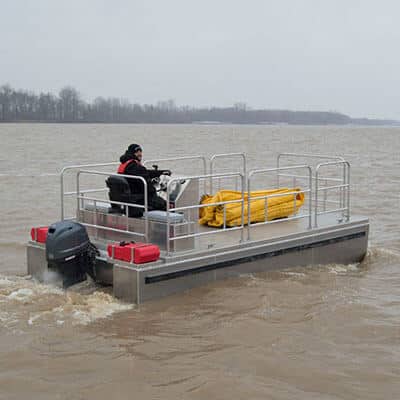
point(166, 172)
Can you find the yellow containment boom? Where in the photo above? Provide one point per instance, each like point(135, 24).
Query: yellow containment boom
point(277, 206)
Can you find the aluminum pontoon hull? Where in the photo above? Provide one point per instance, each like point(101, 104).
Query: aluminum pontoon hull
point(342, 243)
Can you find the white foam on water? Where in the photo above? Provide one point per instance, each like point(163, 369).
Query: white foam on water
point(382, 251)
point(34, 318)
point(4, 316)
point(295, 274)
point(342, 268)
point(30, 303)
point(5, 281)
point(337, 269)
point(86, 309)
point(22, 294)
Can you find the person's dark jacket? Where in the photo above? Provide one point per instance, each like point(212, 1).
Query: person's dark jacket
point(137, 169)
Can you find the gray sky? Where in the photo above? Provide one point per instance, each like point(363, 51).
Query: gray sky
point(340, 55)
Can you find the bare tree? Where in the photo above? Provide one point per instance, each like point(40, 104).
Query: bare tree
point(68, 106)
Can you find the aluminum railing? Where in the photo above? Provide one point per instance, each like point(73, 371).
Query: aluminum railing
point(183, 158)
point(306, 156)
point(63, 194)
point(80, 197)
point(266, 197)
point(201, 158)
point(344, 188)
point(246, 179)
point(199, 206)
point(228, 155)
point(69, 168)
point(317, 157)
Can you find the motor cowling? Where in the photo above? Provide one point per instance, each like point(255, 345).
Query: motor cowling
point(70, 253)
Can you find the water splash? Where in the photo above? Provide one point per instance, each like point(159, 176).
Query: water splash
point(25, 302)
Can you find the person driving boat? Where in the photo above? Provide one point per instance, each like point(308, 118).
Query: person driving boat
point(131, 164)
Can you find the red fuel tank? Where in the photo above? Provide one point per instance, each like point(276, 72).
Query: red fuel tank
point(39, 234)
point(137, 253)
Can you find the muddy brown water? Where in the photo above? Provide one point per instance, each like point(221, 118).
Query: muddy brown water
point(329, 332)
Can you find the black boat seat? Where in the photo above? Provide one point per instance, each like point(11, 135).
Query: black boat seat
point(120, 191)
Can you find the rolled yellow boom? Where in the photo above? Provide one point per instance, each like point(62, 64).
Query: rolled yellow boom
point(277, 207)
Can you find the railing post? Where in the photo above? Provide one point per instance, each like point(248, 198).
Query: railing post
point(343, 189)
point(224, 214)
point(316, 198)
point(277, 170)
point(248, 206)
point(96, 218)
point(77, 195)
point(146, 210)
point(242, 219)
point(310, 197)
point(168, 221)
point(348, 191)
point(62, 194)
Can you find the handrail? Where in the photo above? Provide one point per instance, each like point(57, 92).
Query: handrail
point(304, 155)
point(268, 170)
point(86, 191)
point(195, 157)
point(306, 177)
point(80, 172)
point(344, 197)
point(182, 158)
point(71, 167)
point(196, 206)
point(226, 155)
point(120, 203)
point(307, 155)
point(316, 203)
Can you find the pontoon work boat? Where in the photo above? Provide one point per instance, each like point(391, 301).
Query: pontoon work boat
point(242, 227)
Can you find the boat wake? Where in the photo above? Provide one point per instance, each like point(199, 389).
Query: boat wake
point(25, 303)
point(376, 255)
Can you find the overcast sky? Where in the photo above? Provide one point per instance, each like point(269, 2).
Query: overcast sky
point(340, 55)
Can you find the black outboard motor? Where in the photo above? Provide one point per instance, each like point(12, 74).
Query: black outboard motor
point(69, 252)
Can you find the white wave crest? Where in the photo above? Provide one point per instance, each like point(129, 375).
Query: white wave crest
point(25, 302)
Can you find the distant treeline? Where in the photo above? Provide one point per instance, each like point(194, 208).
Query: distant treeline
point(68, 106)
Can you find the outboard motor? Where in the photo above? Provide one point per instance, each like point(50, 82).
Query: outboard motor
point(69, 252)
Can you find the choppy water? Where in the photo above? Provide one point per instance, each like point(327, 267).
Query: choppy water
point(326, 333)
